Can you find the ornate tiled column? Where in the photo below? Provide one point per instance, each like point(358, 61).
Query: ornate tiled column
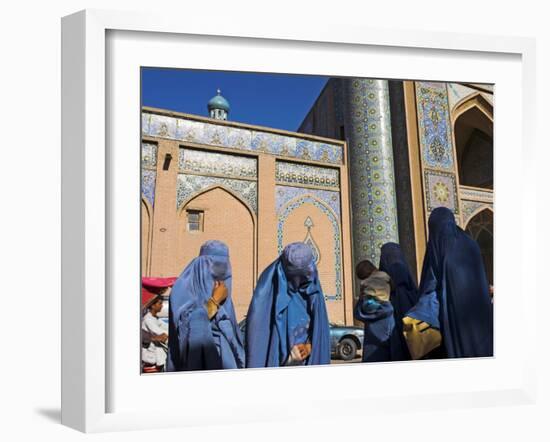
point(374, 215)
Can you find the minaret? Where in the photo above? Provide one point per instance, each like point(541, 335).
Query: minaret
point(218, 107)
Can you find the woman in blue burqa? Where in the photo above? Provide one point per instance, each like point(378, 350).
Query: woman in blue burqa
point(287, 322)
point(454, 291)
point(203, 331)
point(404, 295)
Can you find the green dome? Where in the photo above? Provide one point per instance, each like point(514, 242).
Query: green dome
point(218, 102)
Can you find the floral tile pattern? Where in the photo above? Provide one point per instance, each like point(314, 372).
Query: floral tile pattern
point(434, 125)
point(284, 194)
point(200, 169)
point(189, 130)
point(214, 163)
point(273, 143)
point(148, 180)
point(148, 171)
point(483, 195)
point(471, 207)
point(185, 129)
point(192, 185)
point(305, 174)
point(161, 126)
point(148, 155)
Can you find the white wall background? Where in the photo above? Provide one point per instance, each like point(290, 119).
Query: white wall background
point(30, 216)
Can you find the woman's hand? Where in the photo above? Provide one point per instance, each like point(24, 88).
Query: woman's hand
point(304, 350)
point(219, 293)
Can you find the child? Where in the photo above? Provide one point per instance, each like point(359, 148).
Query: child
point(154, 332)
point(375, 310)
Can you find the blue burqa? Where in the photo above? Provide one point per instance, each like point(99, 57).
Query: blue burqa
point(287, 308)
point(404, 296)
point(379, 328)
point(196, 342)
point(454, 291)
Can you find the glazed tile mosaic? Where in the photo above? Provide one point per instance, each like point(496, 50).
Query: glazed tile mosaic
point(310, 241)
point(434, 127)
point(145, 120)
point(148, 181)
point(338, 88)
point(469, 208)
point(216, 135)
point(476, 194)
point(457, 92)
point(440, 190)
point(285, 211)
point(191, 185)
point(269, 143)
point(305, 174)
point(284, 194)
point(214, 163)
point(239, 138)
point(322, 152)
point(161, 126)
point(148, 155)
point(188, 130)
point(371, 167)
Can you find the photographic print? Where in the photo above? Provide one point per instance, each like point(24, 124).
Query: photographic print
point(297, 220)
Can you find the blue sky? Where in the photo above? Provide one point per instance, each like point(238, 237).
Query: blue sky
point(274, 100)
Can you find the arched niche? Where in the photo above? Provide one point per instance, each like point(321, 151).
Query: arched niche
point(473, 133)
point(310, 220)
point(480, 227)
point(146, 236)
point(224, 216)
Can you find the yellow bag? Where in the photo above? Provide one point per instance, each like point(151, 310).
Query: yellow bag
point(420, 336)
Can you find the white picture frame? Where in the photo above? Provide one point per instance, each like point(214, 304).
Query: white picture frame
point(90, 190)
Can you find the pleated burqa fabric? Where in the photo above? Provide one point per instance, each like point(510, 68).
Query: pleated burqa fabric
point(454, 291)
point(403, 297)
point(287, 308)
point(196, 342)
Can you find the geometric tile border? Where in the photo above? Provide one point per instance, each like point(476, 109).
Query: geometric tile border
point(480, 195)
point(372, 178)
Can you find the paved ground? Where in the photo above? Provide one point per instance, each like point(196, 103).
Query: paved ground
point(340, 361)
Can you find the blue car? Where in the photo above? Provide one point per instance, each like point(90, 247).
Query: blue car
point(345, 341)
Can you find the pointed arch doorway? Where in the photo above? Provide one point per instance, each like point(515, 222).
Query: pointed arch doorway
point(480, 227)
point(473, 131)
point(219, 214)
